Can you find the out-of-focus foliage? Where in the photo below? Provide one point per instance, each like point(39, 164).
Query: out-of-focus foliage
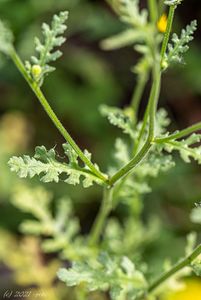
point(85, 79)
point(121, 278)
point(24, 259)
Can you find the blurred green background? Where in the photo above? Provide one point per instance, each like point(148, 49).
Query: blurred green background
point(86, 77)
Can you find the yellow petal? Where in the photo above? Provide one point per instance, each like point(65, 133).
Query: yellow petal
point(162, 23)
point(191, 291)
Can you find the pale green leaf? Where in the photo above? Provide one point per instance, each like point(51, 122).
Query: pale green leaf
point(179, 45)
point(123, 39)
point(196, 215)
point(39, 67)
point(6, 38)
point(46, 165)
point(105, 274)
point(196, 266)
point(129, 12)
point(185, 148)
point(119, 118)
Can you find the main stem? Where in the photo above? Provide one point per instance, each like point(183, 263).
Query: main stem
point(180, 265)
point(37, 91)
point(152, 104)
point(103, 213)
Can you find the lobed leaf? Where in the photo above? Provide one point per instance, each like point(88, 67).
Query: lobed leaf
point(6, 38)
point(39, 66)
point(119, 118)
point(119, 277)
point(123, 39)
point(179, 45)
point(61, 228)
point(184, 147)
point(46, 165)
point(129, 12)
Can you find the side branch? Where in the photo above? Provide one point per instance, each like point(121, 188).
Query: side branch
point(180, 134)
point(37, 91)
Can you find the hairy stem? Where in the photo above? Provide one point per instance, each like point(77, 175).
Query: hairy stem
point(180, 134)
point(168, 32)
point(105, 209)
point(37, 91)
point(180, 265)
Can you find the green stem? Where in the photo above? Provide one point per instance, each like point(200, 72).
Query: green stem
point(137, 95)
point(180, 265)
point(168, 32)
point(152, 104)
point(142, 131)
point(105, 209)
point(37, 91)
point(153, 10)
point(180, 134)
point(132, 164)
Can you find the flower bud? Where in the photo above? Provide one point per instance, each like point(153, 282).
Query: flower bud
point(36, 71)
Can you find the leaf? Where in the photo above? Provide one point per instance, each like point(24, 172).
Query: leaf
point(162, 121)
point(39, 66)
point(6, 38)
point(196, 266)
point(173, 2)
point(123, 39)
point(117, 234)
point(45, 163)
point(183, 146)
point(119, 118)
point(61, 228)
point(180, 45)
point(196, 215)
point(35, 201)
point(104, 274)
point(129, 12)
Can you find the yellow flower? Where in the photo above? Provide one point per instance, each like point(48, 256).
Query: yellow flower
point(191, 291)
point(162, 23)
